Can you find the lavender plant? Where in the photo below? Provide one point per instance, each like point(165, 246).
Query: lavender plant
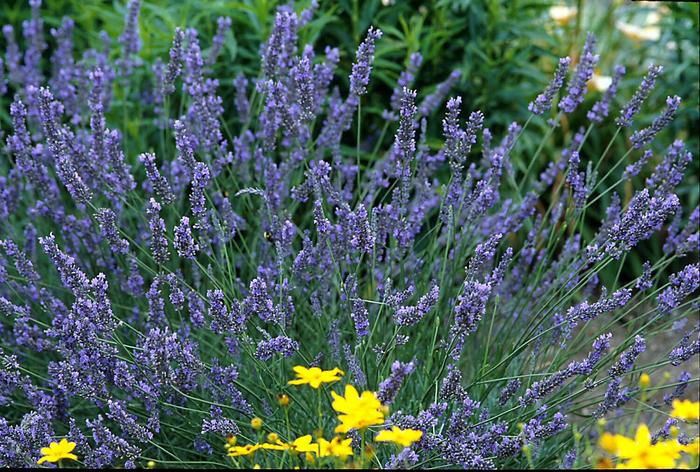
point(153, 301)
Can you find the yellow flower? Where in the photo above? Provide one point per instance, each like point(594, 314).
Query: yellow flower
point(562, 14)
point(304, 444)
point(402, 437)
point(693, 448)
point(276, 446)
point(357, 411)
point(315, 376)
point(673, 431)
point(283, 400)
point(256, 423)
point(150, 465)
point(248, 449)
point(57, 451)
point(257, 467)
point(301, 444)
point(641, 454)
point(644, 380)
point(608, 443)
point(686, 410)
point(231, 440)
point(336, 447)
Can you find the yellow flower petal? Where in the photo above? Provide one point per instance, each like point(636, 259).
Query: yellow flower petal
point(608, 442)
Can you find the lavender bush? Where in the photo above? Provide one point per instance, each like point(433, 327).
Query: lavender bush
point(153, 300)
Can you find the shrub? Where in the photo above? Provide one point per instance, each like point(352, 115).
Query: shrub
point(157, 297)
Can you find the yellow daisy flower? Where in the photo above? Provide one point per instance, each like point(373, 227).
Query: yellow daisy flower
point(639, 453)
point(315, 376)
point(248, 449)
point(402, 437)
point(357, 411)
point(686, 410)
point(57, 451)
point(336, 447)
point(608, 443)
point(301, 444)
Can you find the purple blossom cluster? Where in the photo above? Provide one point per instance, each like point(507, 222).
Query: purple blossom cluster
point(153, 300)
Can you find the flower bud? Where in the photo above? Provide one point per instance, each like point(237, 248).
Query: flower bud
point(644, 380)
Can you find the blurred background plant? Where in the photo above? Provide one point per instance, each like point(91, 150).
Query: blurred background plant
point(504, 51)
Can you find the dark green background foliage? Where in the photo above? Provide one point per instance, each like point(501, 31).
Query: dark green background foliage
point(505, 50)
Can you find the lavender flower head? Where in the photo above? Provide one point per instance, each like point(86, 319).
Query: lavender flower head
point(174, 68)
point(359, 78)
point(389, 387)
point(543, 102)
point(279, 345)
point(601, 108)
point(108, 224)
point(578, 84)
point(223, 23)
point(643, 137)
point(158, 239)
point(635, 104)
point(184, 241)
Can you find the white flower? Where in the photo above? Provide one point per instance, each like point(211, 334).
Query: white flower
point(562, 14)
point(600, 83)
point(639, 33)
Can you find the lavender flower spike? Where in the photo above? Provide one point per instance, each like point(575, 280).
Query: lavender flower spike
point(579, 82)
point(184, 241)
point(174, 67)
point(389, 388)
point(359, 78)
point(632, 107)
point(223, 23)
point(600, 110)
point(683, 284)
point(643, 137)
point(543, 102)
point(158, 182)
point(108, 224)
point(130, 37)
point(200, 181)
point(279, 345)
point(56, 138)
point(432, 101)
point(156, 224)
point(130, 40)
